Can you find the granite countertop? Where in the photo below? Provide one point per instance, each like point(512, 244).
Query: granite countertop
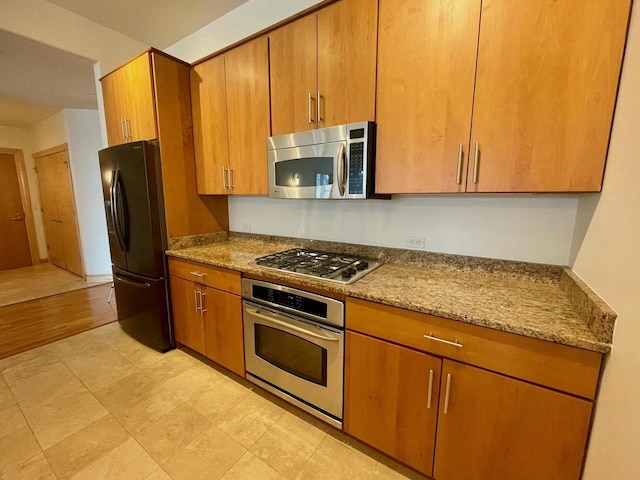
point(540, 301)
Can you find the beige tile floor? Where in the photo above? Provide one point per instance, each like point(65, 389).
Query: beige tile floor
point(28, 283)
point(99, 405)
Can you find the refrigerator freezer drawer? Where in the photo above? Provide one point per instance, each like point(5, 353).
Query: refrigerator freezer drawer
point(143, 309)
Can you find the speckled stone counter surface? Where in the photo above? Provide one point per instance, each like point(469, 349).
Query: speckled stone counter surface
point(540, 301)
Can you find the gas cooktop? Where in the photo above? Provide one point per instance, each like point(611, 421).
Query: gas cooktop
point(328, 266)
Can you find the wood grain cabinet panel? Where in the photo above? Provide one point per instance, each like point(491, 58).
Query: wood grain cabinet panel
point(497, 428)
point(545, 93)
point(323, 68)
point(231, 112)
point(391, 399)
point(188, 323)
point(426, 70)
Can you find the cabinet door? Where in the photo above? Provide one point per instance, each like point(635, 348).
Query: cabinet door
point(426, 70)
point(391, 399)
point(114, 107)
point(347, 33)
point(188, 323)
point(209, 108)
point(293, 56)
point(140, 101)
point(545, 93)
point(249, 116)
point(223, 329)
point(499, 428)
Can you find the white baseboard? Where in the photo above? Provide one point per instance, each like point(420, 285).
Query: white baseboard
point(100, 278)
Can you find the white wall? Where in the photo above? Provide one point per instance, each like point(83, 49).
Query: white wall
point(609, 261)
point(84, 141)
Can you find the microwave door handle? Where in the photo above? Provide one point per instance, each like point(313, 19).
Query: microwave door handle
point(288, 326)
point(342, 159)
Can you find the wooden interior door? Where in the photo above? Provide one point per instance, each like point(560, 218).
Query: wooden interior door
point(249, 116)
point(59, 211)
point(14, 241)
point(347, 35)
point(223, 329)
point(140, 100)
point(498, 428)
point(388, 402)
point(293, 61)
point(545, 93)
point(187, 319)
point(426, 71)
point(210, 126)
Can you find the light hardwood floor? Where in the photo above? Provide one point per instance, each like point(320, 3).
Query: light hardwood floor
point(28, 283)
point(99, 405)
point(29, 324)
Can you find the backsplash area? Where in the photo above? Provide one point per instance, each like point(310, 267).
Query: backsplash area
point(529, 228)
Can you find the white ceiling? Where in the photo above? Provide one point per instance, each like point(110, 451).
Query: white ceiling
point(37, 80)
point(159, 23)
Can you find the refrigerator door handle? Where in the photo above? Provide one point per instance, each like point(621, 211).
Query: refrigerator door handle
point(132, 283)
point(119, 214)
point(115, 176)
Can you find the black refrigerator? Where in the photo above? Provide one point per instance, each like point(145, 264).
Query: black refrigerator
point(132, 190)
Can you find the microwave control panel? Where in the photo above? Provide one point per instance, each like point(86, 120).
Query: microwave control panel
point(356, 168)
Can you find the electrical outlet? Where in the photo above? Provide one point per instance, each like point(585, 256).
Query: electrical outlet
point(246, 227)
point(416, 242)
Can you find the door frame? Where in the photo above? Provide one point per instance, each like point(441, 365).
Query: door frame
point(18, 157)
point(58, 149)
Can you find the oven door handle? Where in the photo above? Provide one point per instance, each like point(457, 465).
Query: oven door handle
point(255, 312)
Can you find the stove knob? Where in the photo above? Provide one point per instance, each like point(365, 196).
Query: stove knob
point(363, 265)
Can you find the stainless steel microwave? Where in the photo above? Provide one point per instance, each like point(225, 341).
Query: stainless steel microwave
point(330, 163)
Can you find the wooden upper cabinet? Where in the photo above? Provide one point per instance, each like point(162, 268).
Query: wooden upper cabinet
point(347, 34)
point(323, 68)
point(231, 120)
point(129, 102)
point(248, 116)
point(293, 54)
point(391, 399)
point(426, 70)
point(209, 109)
point(498, 428)
point(545, 93)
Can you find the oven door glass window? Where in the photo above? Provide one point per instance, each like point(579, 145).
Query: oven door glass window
point(305, 172)
point(292, 354)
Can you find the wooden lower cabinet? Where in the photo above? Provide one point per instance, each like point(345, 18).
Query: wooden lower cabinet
point(209, 321)
point(391, 399)
point(188, 324)
point(223, 333)
point(497, 427)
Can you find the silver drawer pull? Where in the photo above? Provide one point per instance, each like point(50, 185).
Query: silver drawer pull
point(197, 274)
point(455, 343)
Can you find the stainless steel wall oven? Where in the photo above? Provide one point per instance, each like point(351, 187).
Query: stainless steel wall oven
point(294, 346)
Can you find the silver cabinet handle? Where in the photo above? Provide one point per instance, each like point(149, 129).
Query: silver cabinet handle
point(198, 274)
point(288, 326)
point(475, 162)
point(231, 185)
point(430, 389)
point(195, 300)
point(309, 110)
point(224, 178)
point(446, 394)
point(459, 172)
point(318, 117)
point(202, 309)
point(455, 343)
point(122, 127)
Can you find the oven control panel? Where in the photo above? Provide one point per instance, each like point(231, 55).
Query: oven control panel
point(290, 300)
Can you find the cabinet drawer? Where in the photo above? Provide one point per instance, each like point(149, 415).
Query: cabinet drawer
point(569, 369)
point(214, 277)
